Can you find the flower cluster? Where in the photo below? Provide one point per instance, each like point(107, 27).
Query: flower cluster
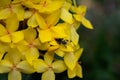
point(40, 36)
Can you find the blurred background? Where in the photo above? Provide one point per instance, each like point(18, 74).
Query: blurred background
point(101, 56)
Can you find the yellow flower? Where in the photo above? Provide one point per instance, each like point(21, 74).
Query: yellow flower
point(30, 14)
point(70, 58)
point(48, 67)
point(9, 8)
point(77, 69)
point(48, 31)
point(66, 16)
point(13, 65)
point(27, 3)
point(8, 33)
point(48, 6)
point(65, 44)
point(29, 46)
point(68, 43)
point(79, 15)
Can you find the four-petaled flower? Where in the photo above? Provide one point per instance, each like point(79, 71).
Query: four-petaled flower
point(49, 66)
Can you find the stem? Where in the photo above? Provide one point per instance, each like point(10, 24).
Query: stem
point(74, 2)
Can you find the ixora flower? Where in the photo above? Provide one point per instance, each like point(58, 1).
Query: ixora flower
point(48, 6)
point(76, 70)
point(41, 36)
point(13, 65)
point(8, 8)
point(79, 16)
point(8, 33)
point(49, 66)
point(47, 29)
point(29, 46)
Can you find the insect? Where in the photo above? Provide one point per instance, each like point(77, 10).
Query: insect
point(61, 41)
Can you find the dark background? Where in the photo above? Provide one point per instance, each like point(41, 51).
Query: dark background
point(101, 56)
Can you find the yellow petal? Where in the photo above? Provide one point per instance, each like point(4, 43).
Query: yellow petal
point(48, 75)
point(40, 7)
point(36, 1)
point(53, 45)
point(73, 9)
point(48, 57)
point(59, 66)
point(19, 10)
point(31, 54)
point(79, 71)
point(40, 20)
point(55, 5)
point(2, 30)
point(66, 48)
point(53, 18)
point(66, 28)
point(4, 3)
point(67, 5)
point(12, 23)
point(13, 55)
point(27, 14)
point(40, 65)
point(58, 32)
point(52, 48)
point(66, 16)
point(76, 24)
point(74, 36)
point(78, 53)
point(37, 43)
point(78, 17)
point(1, 56)
point(3, 47)
point(5, 66)
point(28, 3)
point(70, 60)
point(16, 1)
point(32, 21)
point(22, 46)
point(81, 9)
point(4, 13)
point(69, 1)
point(14, 75)
point(25, 67)
point(17, 36)
point(45, 35)
point(71, 73)
point(30, 34)
point(6, 38)
point(59, 52)
point(87, 23)
point(44, 46)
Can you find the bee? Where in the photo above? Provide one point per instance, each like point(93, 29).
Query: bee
point(61, 41)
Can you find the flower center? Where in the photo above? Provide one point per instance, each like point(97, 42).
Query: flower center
point(31, 45)
point(50, 67)
point(44, 4)
point(8, 32)
point(14, 68)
